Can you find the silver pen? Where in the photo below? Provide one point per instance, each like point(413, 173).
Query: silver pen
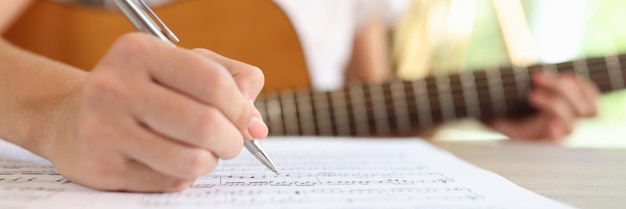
point(135, 11)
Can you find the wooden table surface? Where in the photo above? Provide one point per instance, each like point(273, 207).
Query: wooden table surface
point(584, 178)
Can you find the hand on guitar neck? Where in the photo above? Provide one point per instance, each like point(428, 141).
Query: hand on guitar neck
point(560, 99)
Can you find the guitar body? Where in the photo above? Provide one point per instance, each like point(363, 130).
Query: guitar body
point(254, 31)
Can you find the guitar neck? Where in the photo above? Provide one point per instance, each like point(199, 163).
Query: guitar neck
point(398, 107)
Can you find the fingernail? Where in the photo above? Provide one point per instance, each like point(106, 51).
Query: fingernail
point(257, 128)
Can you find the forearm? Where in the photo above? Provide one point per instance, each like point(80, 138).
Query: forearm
point(370, 53)
point(33, 90)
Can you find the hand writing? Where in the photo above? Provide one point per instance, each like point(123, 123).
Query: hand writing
point(152, 117)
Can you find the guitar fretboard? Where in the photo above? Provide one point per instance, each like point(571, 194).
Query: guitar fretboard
point(398, 107)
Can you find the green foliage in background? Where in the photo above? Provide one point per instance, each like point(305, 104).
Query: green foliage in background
point(605, 30)
point(605, 33)
point(486, 47)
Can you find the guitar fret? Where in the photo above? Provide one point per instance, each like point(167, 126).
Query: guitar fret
point(305, 112)
point(446, 101)
point(400, 107)
point(616, 77)
point(377, 95)
point(522, 79)
point(470, 94)
point(274, 115)
point(496, 91)
point(323, 114)
point(582, 68)
point(422, 103)
point(290, 113)
point(340, 111)
point(552, 68)
point(359, 110)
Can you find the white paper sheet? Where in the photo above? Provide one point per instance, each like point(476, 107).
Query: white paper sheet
point(315, 173)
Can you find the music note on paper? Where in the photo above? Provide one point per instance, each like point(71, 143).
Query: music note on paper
point(315, 173)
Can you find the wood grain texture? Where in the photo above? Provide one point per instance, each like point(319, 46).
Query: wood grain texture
point(584, 178)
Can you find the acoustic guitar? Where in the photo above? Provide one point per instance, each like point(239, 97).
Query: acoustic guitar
point(258, 32)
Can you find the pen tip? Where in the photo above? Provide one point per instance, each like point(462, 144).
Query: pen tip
point(273, 168)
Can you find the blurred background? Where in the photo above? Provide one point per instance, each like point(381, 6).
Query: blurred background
point(428, 37)
point(478, 34)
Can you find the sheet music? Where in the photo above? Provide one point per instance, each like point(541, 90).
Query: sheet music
point(315, 173)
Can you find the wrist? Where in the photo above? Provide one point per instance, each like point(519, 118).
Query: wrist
point(60, 123)
point(36, 93)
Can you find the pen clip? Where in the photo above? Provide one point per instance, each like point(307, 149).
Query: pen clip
point(143, 18)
